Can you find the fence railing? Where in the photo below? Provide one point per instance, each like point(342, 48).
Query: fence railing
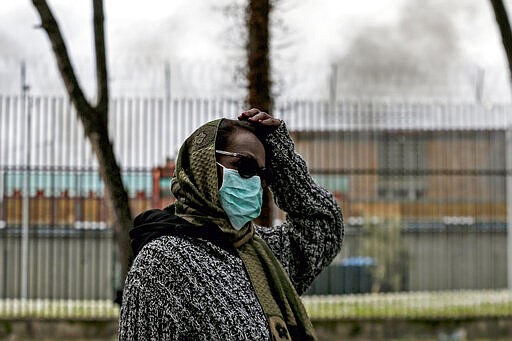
point(422, 187)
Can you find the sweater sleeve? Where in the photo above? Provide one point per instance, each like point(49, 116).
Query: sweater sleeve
point(312, 234)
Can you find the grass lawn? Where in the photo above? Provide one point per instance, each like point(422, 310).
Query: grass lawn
point(444, 304)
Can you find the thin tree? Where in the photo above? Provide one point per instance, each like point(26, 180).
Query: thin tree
point(94, 118)
point(258, 73)
point(500, 12)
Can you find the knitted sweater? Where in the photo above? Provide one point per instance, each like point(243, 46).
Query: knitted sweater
point(185, 288)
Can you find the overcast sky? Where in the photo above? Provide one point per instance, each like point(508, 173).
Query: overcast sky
point(314, 32)
point(390, 38)
point(190, 27)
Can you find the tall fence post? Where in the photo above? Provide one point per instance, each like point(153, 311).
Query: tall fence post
point(479, 85)
point(333, 89)
point(167, 73)
point(26, 186)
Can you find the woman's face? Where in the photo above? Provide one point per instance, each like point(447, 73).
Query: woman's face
point(245, 143)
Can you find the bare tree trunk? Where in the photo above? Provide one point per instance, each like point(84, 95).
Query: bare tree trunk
point(258, 61)
point(258, 74)
point(95, 121)
point(500, 12)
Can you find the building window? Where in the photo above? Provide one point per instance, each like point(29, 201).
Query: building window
point(402, 160)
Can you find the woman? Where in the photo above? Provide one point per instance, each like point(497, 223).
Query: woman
point(203, 270)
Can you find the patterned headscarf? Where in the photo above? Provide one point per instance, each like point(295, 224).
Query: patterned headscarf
point(195, 187)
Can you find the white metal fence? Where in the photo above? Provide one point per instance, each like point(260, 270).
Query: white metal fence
point(422, 187)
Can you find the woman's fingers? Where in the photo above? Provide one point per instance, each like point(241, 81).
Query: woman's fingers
point(270, 122)
point(259, 117)
point(249, 113)
point(254, 111)
point(256, 115)
point(262, 119)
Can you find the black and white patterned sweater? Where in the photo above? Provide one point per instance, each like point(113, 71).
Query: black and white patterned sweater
point(184, 288)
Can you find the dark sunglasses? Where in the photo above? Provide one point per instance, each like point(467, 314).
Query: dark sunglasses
point(247, 166)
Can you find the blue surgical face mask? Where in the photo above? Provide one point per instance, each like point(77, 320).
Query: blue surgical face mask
point(240, 198)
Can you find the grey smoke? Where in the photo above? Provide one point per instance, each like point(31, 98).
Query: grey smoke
point(418, 56)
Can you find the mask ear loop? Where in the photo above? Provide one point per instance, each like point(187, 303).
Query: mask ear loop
point(220, 180)
point(224, 168)
point(220, 164)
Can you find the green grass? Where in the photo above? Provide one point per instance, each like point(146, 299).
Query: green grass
point(56, 309)
point(421, 305)
point(447, 304)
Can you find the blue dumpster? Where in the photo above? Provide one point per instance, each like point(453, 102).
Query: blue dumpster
point(352, 276)
point(357, 275)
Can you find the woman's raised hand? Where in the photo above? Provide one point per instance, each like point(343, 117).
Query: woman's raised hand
point(263, 122)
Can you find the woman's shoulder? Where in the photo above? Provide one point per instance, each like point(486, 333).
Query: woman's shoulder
point(171, 247)
point(169, 243)
point(166, 257)
point(170, 264)
point(174, 252)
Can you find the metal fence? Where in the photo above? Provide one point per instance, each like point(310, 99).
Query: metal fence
point(157, 76)
point(423, 187)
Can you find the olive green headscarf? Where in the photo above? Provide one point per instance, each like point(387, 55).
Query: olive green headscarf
point(195, 187)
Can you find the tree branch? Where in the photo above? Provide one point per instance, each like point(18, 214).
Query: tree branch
point(95, 122)
point(101, 60)
point(50, 25)
point(500, 12)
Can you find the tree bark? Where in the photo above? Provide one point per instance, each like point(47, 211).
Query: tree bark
point(258, 61)
point(101, 60)
point(500, 12)
point(95, 121)
point(258, 75)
